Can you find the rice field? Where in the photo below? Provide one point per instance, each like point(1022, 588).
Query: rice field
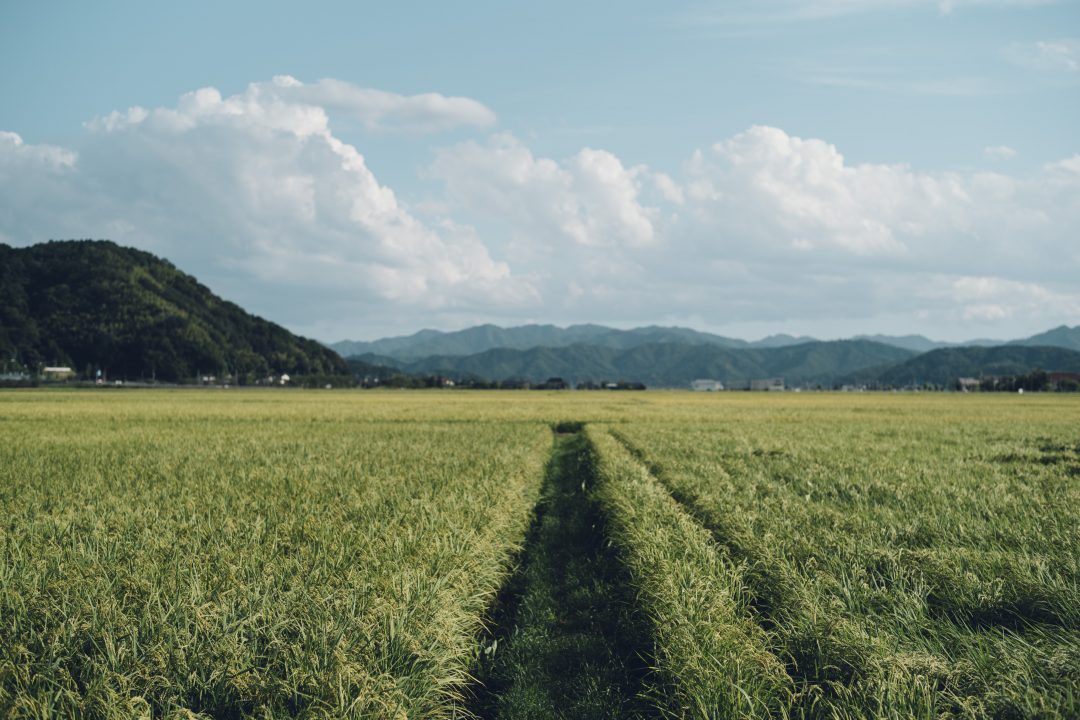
point(234, 554)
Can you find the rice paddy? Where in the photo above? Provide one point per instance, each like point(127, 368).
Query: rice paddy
point(455, 554)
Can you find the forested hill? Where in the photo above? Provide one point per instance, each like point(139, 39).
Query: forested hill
point(429, 343)
point(944, 366)
point(664, 364)
point(94, 304)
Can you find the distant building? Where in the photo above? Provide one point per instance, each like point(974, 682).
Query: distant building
point(707, 385)
point(968, 384)
point(57, 373)
point(767, 384)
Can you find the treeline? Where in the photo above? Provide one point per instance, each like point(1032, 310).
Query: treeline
point(405, 380)
point(1036, 381)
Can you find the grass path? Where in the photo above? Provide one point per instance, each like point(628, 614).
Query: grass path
point(568, 643)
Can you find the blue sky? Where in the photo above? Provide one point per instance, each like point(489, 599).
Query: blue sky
point(810, 166)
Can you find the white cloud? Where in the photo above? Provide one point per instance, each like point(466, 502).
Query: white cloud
point(255, 187)
point(765, 225)
point(763, 194)
point(285, 103)
point(256, 195)
point(378, 109)
point(991, 299)
point(1062, 55)
point(999, 152)
point(787, 192)
point(668, 188)
point(590, 199)
point(15, 154)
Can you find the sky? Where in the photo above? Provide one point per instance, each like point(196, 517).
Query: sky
point(358, 170)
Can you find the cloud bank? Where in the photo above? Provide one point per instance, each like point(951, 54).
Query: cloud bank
point(257, 186)
point(257, 195)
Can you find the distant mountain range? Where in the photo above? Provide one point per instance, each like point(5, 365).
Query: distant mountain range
point(1061, 336)
point(480, 338)
point(96, 305)
point(662, 364)
point(673, 357)
point(920, 344)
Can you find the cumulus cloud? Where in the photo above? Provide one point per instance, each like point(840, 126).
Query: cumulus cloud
point(787, 192)
point(16, 154)
point(286, 103)
point(256, 186)
point(378, 109)
point(768, 225)
point(589, 199)
point(982, 298)
point(257, 195)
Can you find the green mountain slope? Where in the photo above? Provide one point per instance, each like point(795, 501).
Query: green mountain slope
point(944, 366)
point(665, 364)
point(481, 338)
point(94, 304)
point(1062, 336)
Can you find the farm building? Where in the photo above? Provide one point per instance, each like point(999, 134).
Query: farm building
point(767, 384)
point(57, 373)
point(707, 385)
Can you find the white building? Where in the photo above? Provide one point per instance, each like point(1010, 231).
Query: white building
point(707, 386)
